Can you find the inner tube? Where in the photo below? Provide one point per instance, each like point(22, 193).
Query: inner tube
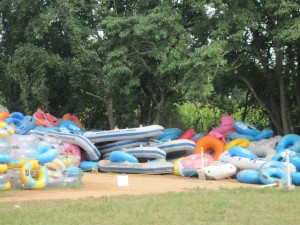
point(264, 134)
point(73, 118)
point(296, 178)
point(208, 144)
point(88, 166)
point(28, 180)
point(27, 124)
point(145, 154)
point(22, 126)
point(169, 132)
point(188, 134)
point(169, 137)
point(242, 142)
point(4, 157)
point(6, 185)
point(119, 156)
point(242, 152)
point(294, 158)
point(248, 176)
point(217, 135)
point(289, 141)
point(17, 115)
point(195, 161)
point(6, 130)
point(245, 128)
point(270, 174)
point(16, 164)
point(273, 164)
point(46, 153)
point(180, 170)
point(45, 119)
point(69, 126)
point(72, 152)
point(4, 115)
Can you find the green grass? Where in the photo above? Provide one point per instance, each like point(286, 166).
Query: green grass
point(199, 206)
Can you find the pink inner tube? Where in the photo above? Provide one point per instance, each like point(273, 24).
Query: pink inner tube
point(218, 135)
point(225, 130)
point(227, 120)
point(72, 152)
point(194, 161)
point(227, 126)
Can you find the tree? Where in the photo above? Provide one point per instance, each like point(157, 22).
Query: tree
point(46, 55)
point(259, 52)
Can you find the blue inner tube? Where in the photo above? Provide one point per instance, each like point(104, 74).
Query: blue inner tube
point(87, 166)
point(241, 152)
point(295, 178)
point(17, 115)
point(272, 164)
point(289, 141)
point(269, 175)
point(119, 156)
point(169, 137)
point(245, 128)
point(264, 134)
point(46, 153)
point(248, 176)
point(4, 157)
point(169, 131)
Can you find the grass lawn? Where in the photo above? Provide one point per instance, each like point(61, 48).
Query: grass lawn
point(199, 206)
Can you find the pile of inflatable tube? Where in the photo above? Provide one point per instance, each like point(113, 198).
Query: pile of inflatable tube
point(41, 150)
point(30, 163)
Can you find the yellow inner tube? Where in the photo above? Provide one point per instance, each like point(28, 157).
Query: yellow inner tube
point(28, 180)
point(242, 142)
point(16, 163)
point(176, 166)
point(4, 186)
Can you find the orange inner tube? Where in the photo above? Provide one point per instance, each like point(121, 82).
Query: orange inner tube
point(4, 115)
point(73, 118)
point(208, 143)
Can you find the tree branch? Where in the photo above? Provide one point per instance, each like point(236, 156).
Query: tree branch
point(261, 103)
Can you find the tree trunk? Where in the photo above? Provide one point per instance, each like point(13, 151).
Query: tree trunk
point(297, 89)
point(109, 103)
point(110, 109)
point(283, 106)
point(159, 107)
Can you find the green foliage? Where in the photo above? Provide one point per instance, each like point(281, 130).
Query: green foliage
point(204, 117)
point(148, 57)
point(31, 67)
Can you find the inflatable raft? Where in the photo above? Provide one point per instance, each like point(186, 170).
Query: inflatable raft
point(90, 149)
point(177, 148)
point(124, 134)
point(142, 168)
point(143, 154)
point(118, 145)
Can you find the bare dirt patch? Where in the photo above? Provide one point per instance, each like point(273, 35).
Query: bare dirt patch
point(97, 185)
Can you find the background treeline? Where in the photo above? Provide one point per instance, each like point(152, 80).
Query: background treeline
point(175, 63)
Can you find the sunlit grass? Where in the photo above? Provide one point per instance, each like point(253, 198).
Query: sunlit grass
point(199, 206)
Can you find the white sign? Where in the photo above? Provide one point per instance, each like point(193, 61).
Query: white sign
point(122, 180)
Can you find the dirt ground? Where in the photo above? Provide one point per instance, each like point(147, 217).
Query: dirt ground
point(97, 185)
